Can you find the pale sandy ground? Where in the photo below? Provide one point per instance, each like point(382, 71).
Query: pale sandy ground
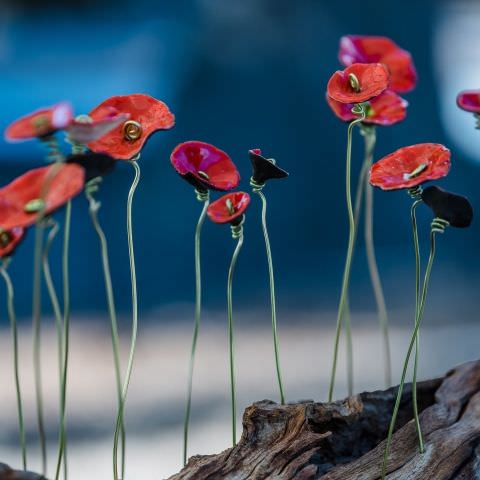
point(156, 400)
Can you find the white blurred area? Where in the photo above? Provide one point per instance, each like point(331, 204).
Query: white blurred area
point(456, 55)
point(156, 401)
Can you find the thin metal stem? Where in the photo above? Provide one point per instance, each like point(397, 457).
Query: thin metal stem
point(14, 328)
point(36, 314)
point(348, 260)
point(198, 312)
point(230, 338)
point(93, 208)
point(417, 306)
point(370, 140)
point(413, 339)
point(66, 341)
point(55, 303)
point(349, 342)
point(272, 295)
point(131, 254)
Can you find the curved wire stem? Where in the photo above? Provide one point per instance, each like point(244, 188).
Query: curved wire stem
point(272, 295)
point(54, 228)
point(66, 342)
point(348, 260)
point(413, 340)
point(93, 208)
point(196, 328)
point(417, 306)
point(230, 337)
point(370, 140)
point(133, 276)
point(14, 328)
point(36, 320)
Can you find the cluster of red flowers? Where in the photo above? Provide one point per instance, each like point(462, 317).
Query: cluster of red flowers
point(206, 167)
point(117, 129)
point(377, 70)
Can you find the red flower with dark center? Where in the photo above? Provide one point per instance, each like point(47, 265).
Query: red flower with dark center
point(386, 109)
point(358, 82)
point(10, 239)
point(147, 115)
point(205, 166)
point(46, 187)
point(469, 100)
point(411, 166)
point(84, 129)
point(371, 49)
point(229, 208)
point(40, 123)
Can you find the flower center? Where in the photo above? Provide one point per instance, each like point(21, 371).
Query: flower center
point(5, 239)
point(203, 175)
point(132, 130)
point(87, 119)
point(34, 206)
point(41, 123)
point(230, 207)
point(415, 173)
point(354, 82)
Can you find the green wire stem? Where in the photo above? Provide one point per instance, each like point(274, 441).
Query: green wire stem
point(131, 254)
point(66, 340)
point(94, 205)
point(14, 328)
point(413, 340)
point(50, 222)
point(370, 140)
point(348, 260)
point(238, 234)
point(272, 294)
point(417, 301)
point(36, 315)
point(196, 328)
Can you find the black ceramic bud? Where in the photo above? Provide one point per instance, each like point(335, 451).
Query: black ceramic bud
point(453, 208)
point(264, 168)
point(6, 473)
point(95, 164)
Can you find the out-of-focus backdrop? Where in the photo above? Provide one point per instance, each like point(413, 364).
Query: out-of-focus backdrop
point(240, 75)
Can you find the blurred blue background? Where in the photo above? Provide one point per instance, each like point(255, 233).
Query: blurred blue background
point(238, 74)
point(241, 75)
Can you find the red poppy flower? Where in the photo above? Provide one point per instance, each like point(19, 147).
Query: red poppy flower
point(229, 208)
point(40, 123)
point(411, 166)
point(469, 101)
point(386, 109)
point(358, 82)
point(147, 115)
point(21, 200)
point(9, 240)
point(84, 129)
point(205, 166)
point(370, 49)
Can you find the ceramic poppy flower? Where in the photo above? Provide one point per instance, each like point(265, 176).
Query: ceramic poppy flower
point(411, 166)
point(147, 115)
point(229, 208)
point(264, 168)
point(95, 164)
point(9, 240)
point(386, 109)
point(21, 200)
point(41, 123)
point(205, 166)
point(369, 49)
point(469, 100)
point(83, 129)
point(453, 208)
point(358, 83)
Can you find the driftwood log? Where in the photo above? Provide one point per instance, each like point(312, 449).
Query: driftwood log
point(345, 440)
